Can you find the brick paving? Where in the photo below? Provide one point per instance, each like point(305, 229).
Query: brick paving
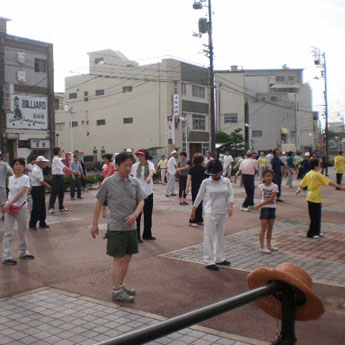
point(323, 259)
point(50, 316)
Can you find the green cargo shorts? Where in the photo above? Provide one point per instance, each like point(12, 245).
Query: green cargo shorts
point(121, 243)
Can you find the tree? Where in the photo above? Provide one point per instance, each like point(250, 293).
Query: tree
point(233, 142)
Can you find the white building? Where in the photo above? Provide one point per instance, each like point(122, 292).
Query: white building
point(120, 104)
point(280, 110)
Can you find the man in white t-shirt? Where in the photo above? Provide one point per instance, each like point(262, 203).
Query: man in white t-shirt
point(227, 164)
point(248, 169)
point(171, 171)
point(58, 189)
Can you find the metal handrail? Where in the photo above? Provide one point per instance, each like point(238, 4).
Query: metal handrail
point(287, 336)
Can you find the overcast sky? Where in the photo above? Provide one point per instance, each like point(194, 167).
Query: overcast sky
point(248, 33)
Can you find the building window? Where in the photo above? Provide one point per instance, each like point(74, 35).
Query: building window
point(40, 65)
point(230, 118)
point(205, 148)
point(127, 120)
point(60, 126)
point(99, 60)
point(199, 122)
point(24, 144)
point(74, 123)
point(256, 134)
point(198, 91)
point(263, 99)
point(100, 122)
point(291, 78)
point(82, 122)
point(57, 103)
point(94, 152)
point(72, 95)
point(175, 88)
point(280, 78)
point(274, 98)
point(86, 96)
point(127, 89)
point(184, 89)
point(100, 92)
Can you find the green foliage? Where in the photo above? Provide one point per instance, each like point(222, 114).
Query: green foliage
point(233, 142)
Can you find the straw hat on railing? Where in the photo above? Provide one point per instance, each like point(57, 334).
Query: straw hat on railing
point(309, 305)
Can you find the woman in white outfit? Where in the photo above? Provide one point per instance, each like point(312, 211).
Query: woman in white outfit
point(219, 203)
point(16, 209)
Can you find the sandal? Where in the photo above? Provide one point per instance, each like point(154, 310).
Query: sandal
point(273, 249)
point(265, 251)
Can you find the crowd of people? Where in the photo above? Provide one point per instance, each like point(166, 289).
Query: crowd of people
point(127, 192)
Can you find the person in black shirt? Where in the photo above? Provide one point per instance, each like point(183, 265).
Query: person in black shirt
point(276, 166)
point(195, 176)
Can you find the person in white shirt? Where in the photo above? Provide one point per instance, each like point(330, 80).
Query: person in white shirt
point(269, 156)
point(248, 169)
point(16, 209)
point(143, 172)
point(163, 164)
point(30, 166)
point(58, 189)
point(208, 157)
point(5, 170)
point(38, 193)
point(220, 199)
point(171, 171)
point(227, 164)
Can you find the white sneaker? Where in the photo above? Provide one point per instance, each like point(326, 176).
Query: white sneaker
point(51, 210)
point(315, 236)
point(251, 208)
point(193, 224)
point(245, 209)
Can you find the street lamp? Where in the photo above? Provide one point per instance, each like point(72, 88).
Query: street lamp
point(204, 27)
point(185, 120)
point(249, 136)
point(68, 109)
point(320, 62)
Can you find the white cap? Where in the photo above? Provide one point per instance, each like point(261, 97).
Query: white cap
point(307, 154)
point(41, 159)
point(129, 150)
point(173, 151)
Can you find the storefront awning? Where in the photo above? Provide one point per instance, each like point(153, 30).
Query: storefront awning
point(284, 130)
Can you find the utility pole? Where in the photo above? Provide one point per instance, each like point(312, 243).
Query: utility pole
point(204, 27)
point(320, 62)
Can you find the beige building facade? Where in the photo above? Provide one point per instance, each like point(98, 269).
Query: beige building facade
point(120, 104)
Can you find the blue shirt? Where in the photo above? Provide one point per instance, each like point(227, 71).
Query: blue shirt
point(277, 164)
point(76, 166)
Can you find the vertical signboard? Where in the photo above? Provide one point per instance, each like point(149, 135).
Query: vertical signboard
point(171, 129)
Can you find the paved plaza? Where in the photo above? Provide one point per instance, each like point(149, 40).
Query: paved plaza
point(50, 316)
point(64, 295)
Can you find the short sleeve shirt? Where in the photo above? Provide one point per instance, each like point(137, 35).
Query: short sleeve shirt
point(14, 186)
point(197, 173)
point(277, 164)
point(4, 170)
point(122, 196)
point(314, 180)
point(172, 166)
point(36, 176)
point(266, 193)
point(249, 166)
point(339, 164)
point(146, 187)
point(182, 164)
point(290, 162)
point(263, 162)
point(57, 166)
point(106, 169)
